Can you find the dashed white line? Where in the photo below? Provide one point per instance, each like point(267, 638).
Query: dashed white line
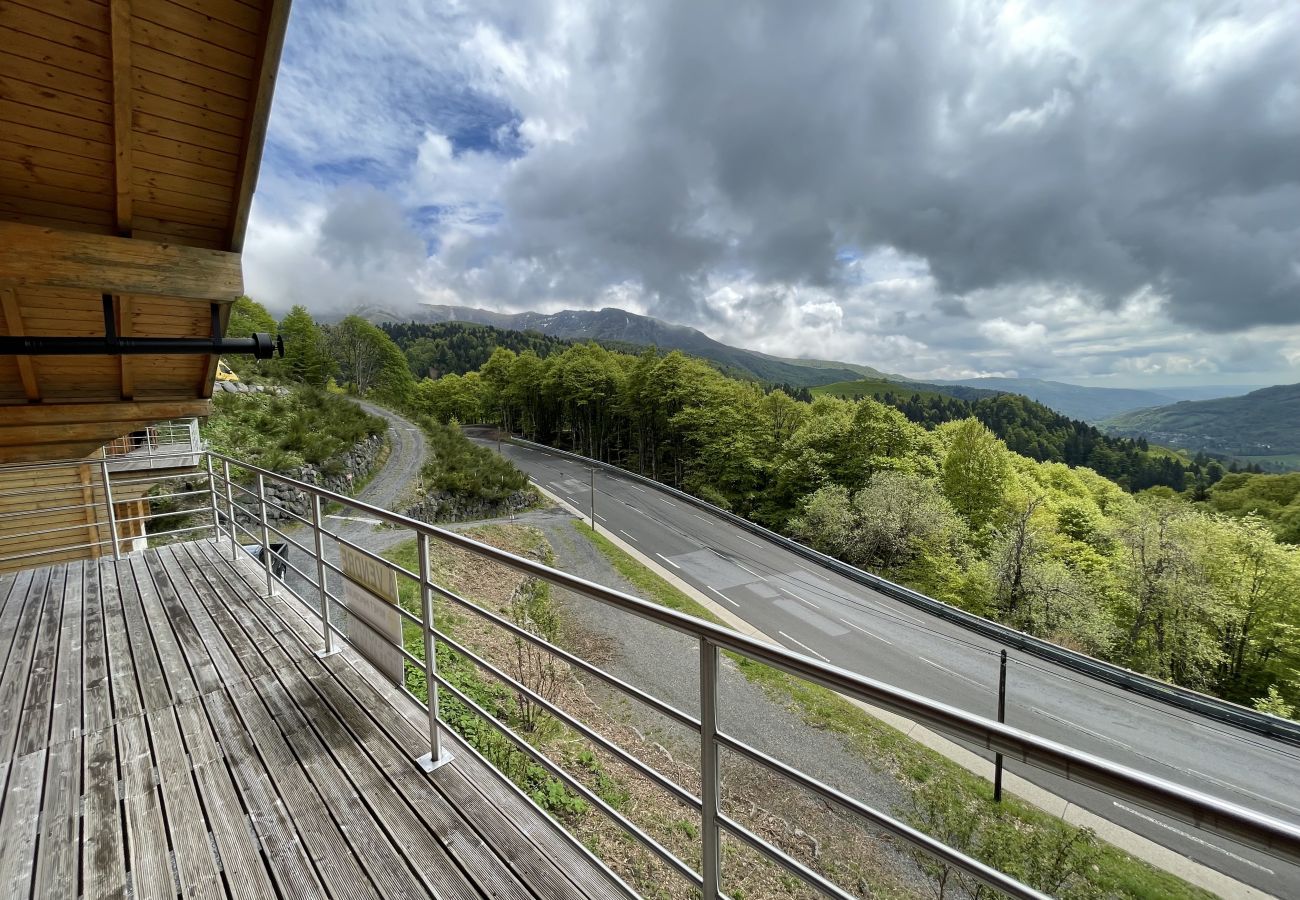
point(561, 488)
point(803, 645)
point(626, 535)
point(667, 560)
point(931, 662)
point(635, 488)
point(746, 568)
point(700, 517)
point(1106, 739)
point(748, 541)
point(1192, 837)
point(800, 599)
point(867, 633)
point(665, 500)
point(724, 596)
point(602, 518)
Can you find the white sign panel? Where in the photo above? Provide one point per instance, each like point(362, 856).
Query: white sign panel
point(373, 624)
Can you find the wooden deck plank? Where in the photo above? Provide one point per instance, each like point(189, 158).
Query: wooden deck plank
point(60, 822)
point(18, 820)
point(121, 664)
point(231, 761)
point(290, 865)
point(377, 855)
point(97, 698)
point(34, 724)
point(102, 853)
point(154, 690)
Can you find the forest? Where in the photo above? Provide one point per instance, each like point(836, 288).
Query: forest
point(1170, 583)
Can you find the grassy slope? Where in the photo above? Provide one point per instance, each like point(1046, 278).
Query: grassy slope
point(1117, 873)
point(872, 387)
point(1238, 424)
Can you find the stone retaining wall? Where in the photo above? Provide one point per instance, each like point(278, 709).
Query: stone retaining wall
point(357, 464)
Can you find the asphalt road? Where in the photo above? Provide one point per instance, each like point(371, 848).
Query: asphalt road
point(819, 613)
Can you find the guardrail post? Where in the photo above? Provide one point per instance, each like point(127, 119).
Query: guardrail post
point(710, 792)
point(108, 503)
point(1002, 718)
point(230, 510)
point(330, 649)
point(437, 755)
point(266, 532)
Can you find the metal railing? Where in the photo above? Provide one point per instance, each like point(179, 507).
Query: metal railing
point(241, 506)
point(166, 445)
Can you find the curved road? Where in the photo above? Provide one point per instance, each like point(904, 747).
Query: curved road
point(818, 612)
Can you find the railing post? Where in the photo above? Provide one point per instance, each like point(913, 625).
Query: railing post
point(230, 510)
point(1002, 718)
point(437, 755)
point(710, 787)
point(212, 489)
point(108, 503)
point(320, 578)
point(266, 532)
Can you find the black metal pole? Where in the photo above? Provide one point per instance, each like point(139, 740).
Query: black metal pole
point(593, 498)
point(1002, 718)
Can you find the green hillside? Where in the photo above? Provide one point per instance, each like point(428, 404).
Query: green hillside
point(1262, 426)
point(878, 387)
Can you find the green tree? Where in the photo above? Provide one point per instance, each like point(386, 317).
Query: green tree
point(306, 353)
point(975, 473)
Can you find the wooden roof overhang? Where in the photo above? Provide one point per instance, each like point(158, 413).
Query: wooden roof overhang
point(131, 133)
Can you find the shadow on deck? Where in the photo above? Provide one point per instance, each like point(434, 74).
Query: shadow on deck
point(164, 731)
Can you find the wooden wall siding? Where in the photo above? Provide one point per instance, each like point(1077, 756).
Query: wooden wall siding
point(61, 487)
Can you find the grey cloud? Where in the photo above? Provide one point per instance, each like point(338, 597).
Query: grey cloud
point(763, 138)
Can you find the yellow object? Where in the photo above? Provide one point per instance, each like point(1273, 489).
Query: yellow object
point(224, 372)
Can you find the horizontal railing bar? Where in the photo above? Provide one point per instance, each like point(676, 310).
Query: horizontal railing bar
point(85, 545)
point(683, 796)
point(154, 479)
point(590, 796)
point(79, 526)
point(613, 680)
point(920, 839)
point(785, 860)
point(1207, 812)
point(186, 530)
point(272, 528)
point(45, 510)
point(370, 554)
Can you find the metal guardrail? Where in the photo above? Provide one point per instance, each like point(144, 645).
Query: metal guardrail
point(1206, 812)
point(1184, 698)
point(171, 444)
point(227, 518)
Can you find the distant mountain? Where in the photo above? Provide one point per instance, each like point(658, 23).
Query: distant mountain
point(611, 324)
point(1096, 404)
point(1263, 425)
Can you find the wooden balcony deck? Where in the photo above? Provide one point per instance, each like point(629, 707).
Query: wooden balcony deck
point(164, 732)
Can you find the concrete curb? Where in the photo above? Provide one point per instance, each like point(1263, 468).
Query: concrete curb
point(1127, 841)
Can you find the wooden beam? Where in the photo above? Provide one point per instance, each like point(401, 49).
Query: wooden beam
point(122, 310)
point(275, 18)
point(120, 21)
point(32, 255)
point(204, 387)
point(127, 414)
point(14, 322)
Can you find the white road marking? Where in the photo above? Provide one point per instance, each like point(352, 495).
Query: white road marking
point(748, 541)
point(700, 517)
point(746, 568)
point(634, 509)
point(635, 488)
point(356, 519)
point(802, 644)
point(1192, 837)
point(667, 560)
point(867, 633)
point(1241, 790)
point(602, 518)
point(724, 596)
point(800, 599)
point(626, 535)
point(665, 500)
point(561, 488)
point(931, 662)
point(1106, 739)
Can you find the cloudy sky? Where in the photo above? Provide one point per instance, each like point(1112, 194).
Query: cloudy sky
point(1102, 192)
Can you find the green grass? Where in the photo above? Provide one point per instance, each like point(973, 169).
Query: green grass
point(1116, 873)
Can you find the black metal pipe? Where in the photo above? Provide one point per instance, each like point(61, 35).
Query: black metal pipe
point(260, 346)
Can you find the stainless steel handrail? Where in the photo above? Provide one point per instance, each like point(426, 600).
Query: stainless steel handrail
point(1209, 813)
point(230, 519)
